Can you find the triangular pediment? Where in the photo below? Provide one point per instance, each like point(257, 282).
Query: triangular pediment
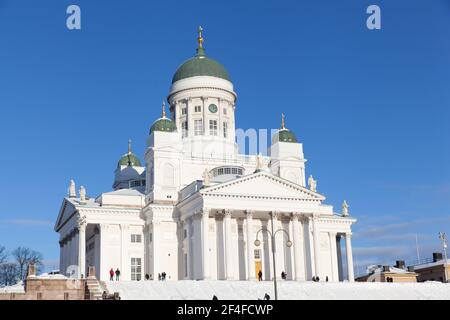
point(66, 211)
point(263, 184)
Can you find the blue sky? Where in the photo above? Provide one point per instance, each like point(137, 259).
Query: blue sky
point(372, 108)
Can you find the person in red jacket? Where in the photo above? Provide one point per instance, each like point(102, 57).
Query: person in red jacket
point(111, 274)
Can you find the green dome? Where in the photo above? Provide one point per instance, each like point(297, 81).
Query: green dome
point(163, 124)
point(284, 135)
point(200, 65)
point(129, 159)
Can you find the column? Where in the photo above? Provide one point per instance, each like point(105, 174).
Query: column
point(250, 248)
point(228, 249)
point(316, 246)
point(205, 243)
point(82, 249)
point(348, 251)
point(61, 254)
point(334, 259)
point(125, 239)
point(298, 248)
point(339, 257)
point(187, 248)
point(155, 249)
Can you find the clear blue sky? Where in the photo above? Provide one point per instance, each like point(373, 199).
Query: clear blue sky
point(372, 108)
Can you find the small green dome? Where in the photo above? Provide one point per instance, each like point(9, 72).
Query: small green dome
point(200, 65)
point(129, 159)
point(284, 135)
point(163, 124)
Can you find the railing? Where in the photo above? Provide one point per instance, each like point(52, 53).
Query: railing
point(417, 262)
point(239, 159)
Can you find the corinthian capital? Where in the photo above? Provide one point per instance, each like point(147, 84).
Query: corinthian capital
point(249, 214)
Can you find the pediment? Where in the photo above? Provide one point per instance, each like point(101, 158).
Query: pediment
point(66, 211)
point(263, 184)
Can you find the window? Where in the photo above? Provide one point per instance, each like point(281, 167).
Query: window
point(136, 269)
point(184, 233)
point(225, 129)
point(257, 254)
point(183, 111)
point(213, 127)
point(198, 109)
point(198, 127)
point(184, 128)
point(136, 238)
point(224, 110)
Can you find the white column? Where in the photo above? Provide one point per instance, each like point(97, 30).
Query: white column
point(124, 265)
point(104, 261)
point(228, 249)
point(250, 248)
point(82, 250)
point(205, 243)
point(155, 246)
point(316, 246)
point(348, 250)
point(187, 249)
point(334, 259)
point(298, 248)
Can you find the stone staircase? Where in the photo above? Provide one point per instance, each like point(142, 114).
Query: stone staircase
point(94, 288)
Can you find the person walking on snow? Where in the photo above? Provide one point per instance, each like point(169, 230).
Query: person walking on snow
point(117, 274)
point(260, 275)
point(111, 274)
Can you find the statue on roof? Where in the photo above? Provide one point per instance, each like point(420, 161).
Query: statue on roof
point(345, 207)
point(72, 191)
point(206, 177)
point(82, 194)
point(312, 184)
point(259, 161)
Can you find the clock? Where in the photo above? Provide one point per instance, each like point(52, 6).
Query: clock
point(212, 108)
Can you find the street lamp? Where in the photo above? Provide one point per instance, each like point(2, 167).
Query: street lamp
point(272, 237)
point(443, 238)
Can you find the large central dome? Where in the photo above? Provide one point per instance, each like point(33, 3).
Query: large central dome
point(200, 65)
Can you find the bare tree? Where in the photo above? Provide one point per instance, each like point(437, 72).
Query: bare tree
point(9, 273)
point(3, 255)
point(23, 257)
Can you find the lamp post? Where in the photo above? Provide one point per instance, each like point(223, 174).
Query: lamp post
point(443, 238)
point(272, 238)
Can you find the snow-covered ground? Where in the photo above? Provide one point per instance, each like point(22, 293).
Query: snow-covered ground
point(17, 288)
point(289, 290)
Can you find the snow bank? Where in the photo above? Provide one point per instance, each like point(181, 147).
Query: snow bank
point(287, 290)
point(17, 288)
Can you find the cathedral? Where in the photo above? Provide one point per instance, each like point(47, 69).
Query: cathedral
point(197, 209)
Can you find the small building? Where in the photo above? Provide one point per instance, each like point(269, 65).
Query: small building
point(435, 270)
point(397, 273)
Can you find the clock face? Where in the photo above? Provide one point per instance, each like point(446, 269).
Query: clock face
point(212, 108)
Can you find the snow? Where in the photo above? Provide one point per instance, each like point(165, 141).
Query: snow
point(17, 288)
point(287, 290)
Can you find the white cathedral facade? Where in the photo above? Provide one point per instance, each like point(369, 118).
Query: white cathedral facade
point(196, 207)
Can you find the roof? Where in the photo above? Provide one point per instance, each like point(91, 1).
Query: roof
point(129, 159)
point(200, 65)
point(284, 135)
point(163, 124)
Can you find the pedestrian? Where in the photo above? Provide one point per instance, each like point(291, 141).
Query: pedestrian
point(266, 297)
point(260, 275)
point(326, 279)
point(111, 274)
point(147, 277)
point(117, 274)
point(164, 275)
point(159, 276)
point(215, 297)
point(283, 275)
